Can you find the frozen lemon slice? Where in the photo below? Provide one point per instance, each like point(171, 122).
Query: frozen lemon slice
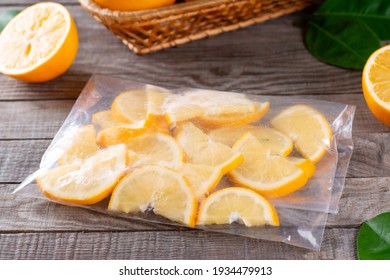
point(306, 165)
point(200, 149)
point(155, 148)
point(119, 134)
point(130, 107)
point(201, 178)
point(158, 188)
point(278, 143)
point(79, 145)
point(88, 182)
point(234, 118)
point(155, 112)
point(104, 119)
point(237, 205)
point(269, 175)
point(309, 129)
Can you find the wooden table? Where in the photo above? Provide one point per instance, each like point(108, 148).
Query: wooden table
point(266, 59)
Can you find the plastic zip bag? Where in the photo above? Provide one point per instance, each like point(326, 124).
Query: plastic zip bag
point(302, 213)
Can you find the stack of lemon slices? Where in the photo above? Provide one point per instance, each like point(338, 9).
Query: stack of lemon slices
point(167, 153)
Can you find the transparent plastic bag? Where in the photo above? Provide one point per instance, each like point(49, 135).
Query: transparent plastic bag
point(302, 213)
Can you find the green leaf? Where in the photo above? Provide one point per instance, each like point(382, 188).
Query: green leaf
point(373, 242)
point(6, 17)
point(375, 13)
point(342, 42)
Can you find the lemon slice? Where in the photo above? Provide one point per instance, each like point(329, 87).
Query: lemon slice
point(158, 188)
point(234, 118)
point(119, 134)
point(309, 129)
point(237, 205)
point(155, 111)
point(38, 44)
point(278, 143)
point(201, 178)
point(104, 119)
point(130, 107)
point(88, 182)
point(155, 148)
point(200, 149)
point(376, 84)
point(306, 165)
point(79, 145)
point(213, 108)
point(269, 175)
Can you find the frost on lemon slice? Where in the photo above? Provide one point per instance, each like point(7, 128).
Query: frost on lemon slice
point(237, 204)
point(78, 145)
point(269, 175)
point(278, 143)
point(309, 129)
point(88, 182)
point(164, 191)
point(154, 148)
point(200, 149)
point(201, 178)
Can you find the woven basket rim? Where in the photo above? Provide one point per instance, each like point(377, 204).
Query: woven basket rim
point(152, 13)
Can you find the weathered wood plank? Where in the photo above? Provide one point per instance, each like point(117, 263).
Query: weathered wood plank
point(251, 60)
point(363, 198)
point(338, 244)
point(29, 120)
point(42, 119)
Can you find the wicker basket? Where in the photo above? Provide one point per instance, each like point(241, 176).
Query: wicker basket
point(152, 30)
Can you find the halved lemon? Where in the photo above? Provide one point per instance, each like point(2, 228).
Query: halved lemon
point(88, 182)
point(133, 5)
point(156, 188)
point(309, 130)
point(278, 143)
point(236, 204)
point(376, 84)
point(39, 44)
point(200, 149)
point(78, 145)
point(269, 175)
point(155, 148)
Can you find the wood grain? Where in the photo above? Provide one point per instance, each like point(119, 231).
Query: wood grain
point(193, 244)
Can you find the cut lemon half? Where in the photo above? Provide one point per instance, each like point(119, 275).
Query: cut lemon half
point(200, 149)
point(133, 5)
point(237, 205)
point(130, 107)
point(306, 165)
point(269, 175)
point(155, 148)
point(202, 178)
point(158, 188)
point(104, 119)
point(376, 84)
point(119, 134)
point(88, 182)
point(278, 143)
point(39, 44)
point(309, 130)
point(79, 145)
